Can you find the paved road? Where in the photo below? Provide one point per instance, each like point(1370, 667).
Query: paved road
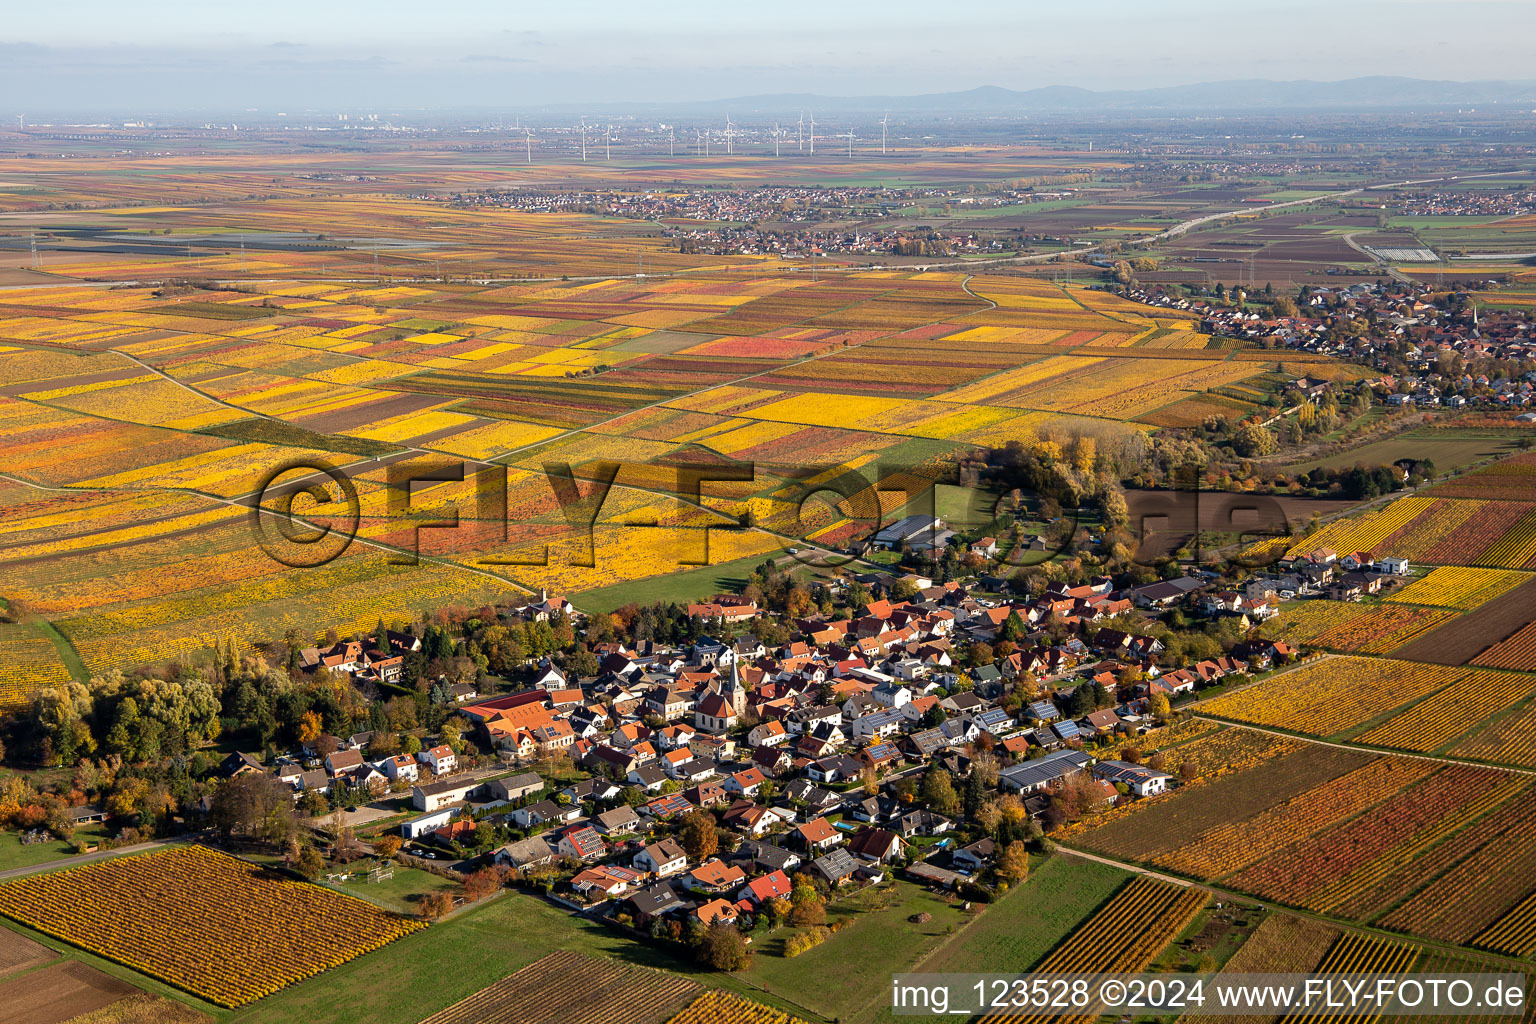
point(89, 858)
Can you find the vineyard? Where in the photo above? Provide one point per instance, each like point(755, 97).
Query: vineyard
point(1457, 709)
point(1515, 932)
point(1345, 859)
point(1230, 750)
point(1280, 945)
point(1480, 844)
point(608, 993)
point(1355, 953)
point(1510, 739)
point(1226, 848)
point(1516, 652)
point(1455, 586)
point(1382, 629)
point(1431, 962)
point(1149, 830)
point(720, 1007)
point(1123, 937)
point(1328, 696)
point(137, 564)
point(222, 929)
point(1464, 885)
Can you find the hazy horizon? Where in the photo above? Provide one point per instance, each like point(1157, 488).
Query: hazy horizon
point(388, 54)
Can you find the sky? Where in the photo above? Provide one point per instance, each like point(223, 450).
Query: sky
point(172, 55)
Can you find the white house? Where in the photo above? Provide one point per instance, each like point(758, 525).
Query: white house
point(877, 725)
point(436, 795)
point(399, 767)
point(1393, 566)
point(418, 827)
point(1141, 780)
point(662, 859)
point(768, 734)
point(440, 759)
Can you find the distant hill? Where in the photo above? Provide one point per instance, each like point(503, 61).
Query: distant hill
point(1374, 93)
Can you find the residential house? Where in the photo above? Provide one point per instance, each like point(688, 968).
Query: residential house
point(774, 885)
point(439, 758)
point(662, 859)
point(1141, 780)
point(525, 853)
point(1031, 776)
point(617, 820)
point(818, 836)
point(876, 844)
point(582, 843)
point(399, 768)
point(836, 866)
point(435, 795)
point(715, 876)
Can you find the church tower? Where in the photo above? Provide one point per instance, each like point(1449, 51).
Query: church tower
point(735, 692)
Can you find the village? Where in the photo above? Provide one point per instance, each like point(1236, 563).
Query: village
point(937, 738)
point(1439, 348)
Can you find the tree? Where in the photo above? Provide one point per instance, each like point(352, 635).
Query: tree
point(1013, 865)
point(724, 948)
point(482, 883)
point(254, 804)
point(310, 864)
point(806, 906)
point(386, 846)
point(1159, 706)
point(938, 792)
point(1251, 439)
point(435, 905)
point(698, 835)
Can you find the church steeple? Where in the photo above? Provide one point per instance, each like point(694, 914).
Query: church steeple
point(735, 692)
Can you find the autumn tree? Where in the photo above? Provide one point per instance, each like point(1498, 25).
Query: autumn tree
point(724, 948)
point(310, 864)
point(434, 905)
point(698, 835)
point(254, 804)
point(1013, 864)
point(806, 906)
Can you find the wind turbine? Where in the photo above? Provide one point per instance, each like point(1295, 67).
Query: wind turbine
point(800, 125)
point(730, 146)
point(608, 143)
point(528, 139)
point(698, 142)
point(776, 136)
point(850, 143)
point(813, 133)
point(883, 122)
point(583, 140)
point(671, 138)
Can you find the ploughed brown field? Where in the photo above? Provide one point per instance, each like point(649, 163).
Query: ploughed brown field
point(568, 987)
point(1165, 520)
point(58, 993)
point(1464, 638)
point(18, 951)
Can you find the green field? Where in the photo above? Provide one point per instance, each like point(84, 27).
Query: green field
point(1025, 925)
point(1449, 450)
point(14, 855)
point(849, 975)
point(692, 585)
